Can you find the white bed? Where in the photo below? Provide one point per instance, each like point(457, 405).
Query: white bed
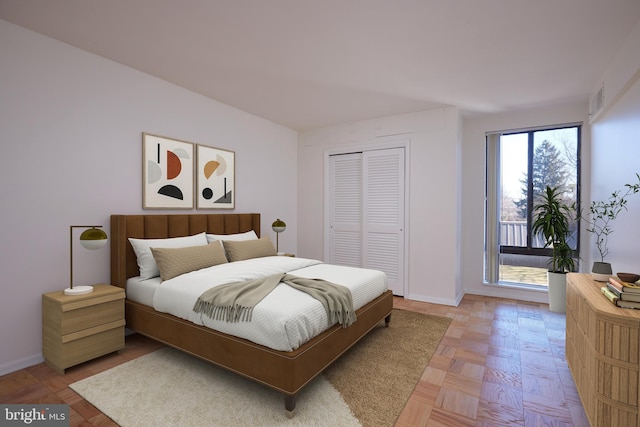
point(284, 320)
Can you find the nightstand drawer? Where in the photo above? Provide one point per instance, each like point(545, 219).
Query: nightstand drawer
point(84, 333)
point(67, 314)
point(80, 347)
point(88, 317)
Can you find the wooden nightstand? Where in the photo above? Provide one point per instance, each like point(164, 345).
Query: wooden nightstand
point(82, 327)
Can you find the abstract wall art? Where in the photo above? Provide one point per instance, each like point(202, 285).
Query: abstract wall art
point(167, 173)
point(216, 178)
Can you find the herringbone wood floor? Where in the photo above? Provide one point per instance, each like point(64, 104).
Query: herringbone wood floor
point(501, 363)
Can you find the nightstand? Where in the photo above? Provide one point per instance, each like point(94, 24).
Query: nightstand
point(81, 327)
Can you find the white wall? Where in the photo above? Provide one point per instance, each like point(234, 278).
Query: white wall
point(615, 161)
point(616, 153)
point(433, 164)
point(70, 132)
point(621, 74)
point(473, 179)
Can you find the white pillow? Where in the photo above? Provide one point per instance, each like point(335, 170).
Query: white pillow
point(146, 262)
point(249, 235)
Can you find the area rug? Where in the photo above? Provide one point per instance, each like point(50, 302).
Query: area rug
point(368, 386)
point(377, 376)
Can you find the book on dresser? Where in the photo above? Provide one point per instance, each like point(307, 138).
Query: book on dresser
point(622, 294)
point(625, 289)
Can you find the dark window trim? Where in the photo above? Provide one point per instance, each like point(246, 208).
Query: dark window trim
point(529, 250)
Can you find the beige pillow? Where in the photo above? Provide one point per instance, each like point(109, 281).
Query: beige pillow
point(147, 265)
point(173, 262)
point(247, 249)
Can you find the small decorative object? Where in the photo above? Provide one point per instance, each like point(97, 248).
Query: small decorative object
point(551, 218)
point(278, 226)
point(216, 178)
point(167, 173)
point(601, 271)
point(92, 238)
point(599, 223)
point(629, 277)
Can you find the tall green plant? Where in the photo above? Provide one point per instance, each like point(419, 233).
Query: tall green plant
point(551, 218)
point(603, 213)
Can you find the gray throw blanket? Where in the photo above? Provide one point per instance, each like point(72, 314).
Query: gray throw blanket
point(234, 302)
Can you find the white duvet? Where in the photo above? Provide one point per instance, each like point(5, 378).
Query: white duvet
point(286, 318)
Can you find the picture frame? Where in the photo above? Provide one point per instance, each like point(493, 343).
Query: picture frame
point(167, 172)
point(215, 171)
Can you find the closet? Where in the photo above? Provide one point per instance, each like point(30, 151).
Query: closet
point(366, 212)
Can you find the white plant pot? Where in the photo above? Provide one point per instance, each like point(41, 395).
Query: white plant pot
point(557, 292)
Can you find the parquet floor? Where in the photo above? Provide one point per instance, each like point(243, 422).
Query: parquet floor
point(501, 363)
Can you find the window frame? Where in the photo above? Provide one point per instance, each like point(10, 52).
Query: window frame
point(492, 199)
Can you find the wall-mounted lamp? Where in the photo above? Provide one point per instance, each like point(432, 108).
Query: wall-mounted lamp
point(278, 226)
point(92, 238)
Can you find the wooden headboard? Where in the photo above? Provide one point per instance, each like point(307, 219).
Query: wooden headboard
point(123, 259)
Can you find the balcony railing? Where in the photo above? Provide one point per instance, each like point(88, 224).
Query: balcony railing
point(514, 233)
point(522, 267)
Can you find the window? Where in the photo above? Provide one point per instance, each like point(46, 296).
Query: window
point(520, 164)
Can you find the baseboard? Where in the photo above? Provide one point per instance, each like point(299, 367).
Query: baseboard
point(16, 365)
point(487, 291)
point(442, 301)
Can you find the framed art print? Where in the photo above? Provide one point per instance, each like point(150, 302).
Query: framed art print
point(167, 173)
point(216, 169)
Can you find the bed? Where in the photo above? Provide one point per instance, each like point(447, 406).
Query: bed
point(285, 371)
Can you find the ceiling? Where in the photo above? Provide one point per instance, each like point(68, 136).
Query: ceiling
point(306, 64)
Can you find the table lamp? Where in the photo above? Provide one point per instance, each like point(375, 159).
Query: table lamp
point(278, 226)
point(92, 238)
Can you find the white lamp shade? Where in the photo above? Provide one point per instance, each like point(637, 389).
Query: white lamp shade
point(93, 244)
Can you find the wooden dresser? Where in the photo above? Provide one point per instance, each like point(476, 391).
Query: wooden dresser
point(77, 328)
point(603, 353)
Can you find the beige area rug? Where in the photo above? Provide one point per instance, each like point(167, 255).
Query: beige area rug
point(369, 385)
point(377, 376)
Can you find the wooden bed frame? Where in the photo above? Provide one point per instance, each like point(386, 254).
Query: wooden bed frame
point(286, 372)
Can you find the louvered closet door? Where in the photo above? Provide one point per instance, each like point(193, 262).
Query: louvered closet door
point(345, 189)
point(383, 214)
point(366, 213)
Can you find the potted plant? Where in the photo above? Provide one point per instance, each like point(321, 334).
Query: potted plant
point(551, 219)
point(599, 223)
